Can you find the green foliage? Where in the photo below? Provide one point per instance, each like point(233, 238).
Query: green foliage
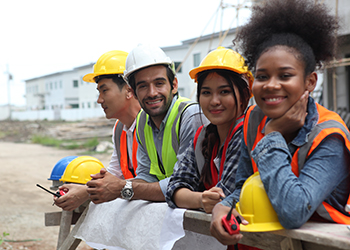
point(91, 143)
point(46, 141)
point(65, 144)
point(2, 238)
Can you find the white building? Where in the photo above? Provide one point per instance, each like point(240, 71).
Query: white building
point(65, 96)
point(191, 52)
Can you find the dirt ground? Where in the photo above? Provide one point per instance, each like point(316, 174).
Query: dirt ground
point(22, 204)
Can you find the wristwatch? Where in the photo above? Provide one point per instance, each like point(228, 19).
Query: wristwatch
point(127, 191)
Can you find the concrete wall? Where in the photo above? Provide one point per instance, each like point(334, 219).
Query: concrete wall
point(64, 114)
point(4, 112)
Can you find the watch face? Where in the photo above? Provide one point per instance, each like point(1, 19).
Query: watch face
point(127, 193)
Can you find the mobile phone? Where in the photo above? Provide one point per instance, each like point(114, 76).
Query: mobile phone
point(57, 194)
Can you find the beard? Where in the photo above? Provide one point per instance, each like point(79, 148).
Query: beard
point(157, 112)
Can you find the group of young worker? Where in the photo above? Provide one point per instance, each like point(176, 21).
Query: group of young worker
point(198, 155)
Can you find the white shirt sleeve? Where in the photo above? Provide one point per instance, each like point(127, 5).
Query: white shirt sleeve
point(114, 166)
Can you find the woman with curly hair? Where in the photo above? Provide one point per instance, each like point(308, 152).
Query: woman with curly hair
point(207, 172)
point(301, 149)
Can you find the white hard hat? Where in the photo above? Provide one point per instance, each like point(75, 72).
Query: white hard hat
point(145, 55)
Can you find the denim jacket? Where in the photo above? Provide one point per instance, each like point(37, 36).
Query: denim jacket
point(325, 176)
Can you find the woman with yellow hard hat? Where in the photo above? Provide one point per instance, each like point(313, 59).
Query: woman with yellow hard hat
point(207, 172)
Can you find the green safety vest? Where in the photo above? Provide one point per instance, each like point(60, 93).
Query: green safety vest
point(171, 141)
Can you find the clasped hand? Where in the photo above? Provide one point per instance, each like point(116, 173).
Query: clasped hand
point(104, 187)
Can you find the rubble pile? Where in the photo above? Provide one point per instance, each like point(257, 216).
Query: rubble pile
point(22, 131)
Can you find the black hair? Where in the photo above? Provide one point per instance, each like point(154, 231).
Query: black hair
point(169, 72)
point(116, 78)
point(211, 134)
point(303, 26)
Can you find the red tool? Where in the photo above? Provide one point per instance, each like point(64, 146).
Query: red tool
point(230, 223)
point(57, 194)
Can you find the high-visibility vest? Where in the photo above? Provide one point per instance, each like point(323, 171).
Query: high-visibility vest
point(171, 142)
point(329, 123)
point(197, 144)
point(121, 146)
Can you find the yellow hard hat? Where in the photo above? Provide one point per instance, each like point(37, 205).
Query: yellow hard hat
point(223, 58)
point(255, 207)
point(110, 63)
point(80, 169)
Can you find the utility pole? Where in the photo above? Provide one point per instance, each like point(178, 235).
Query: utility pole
point(9, 78)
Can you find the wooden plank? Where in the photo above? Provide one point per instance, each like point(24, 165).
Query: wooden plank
point(71, 243)
point(199, 222)
point(65, 224)
point(311, 236)
point(54, 218)
point(196, 221)
point(262, 240)
point(326, 234)
point(291, 244)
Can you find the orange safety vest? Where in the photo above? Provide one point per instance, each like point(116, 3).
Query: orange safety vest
point(120, 142)
point(329, 123)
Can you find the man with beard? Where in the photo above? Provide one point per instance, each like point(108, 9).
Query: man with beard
point(165, 127)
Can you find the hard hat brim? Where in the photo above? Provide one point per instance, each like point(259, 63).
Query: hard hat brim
point(193, 73)
point(261, 227)
point(91, 77)
point(127, 74)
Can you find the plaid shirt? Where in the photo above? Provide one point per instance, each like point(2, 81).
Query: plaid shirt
point(187, 174)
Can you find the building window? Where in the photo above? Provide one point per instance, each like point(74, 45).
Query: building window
point(177, 64)
point(88, 105)
point(50, 85)
point(55, 85)
point(60, 84)
point(196, 59)
point(74, 106)
point(75, 84)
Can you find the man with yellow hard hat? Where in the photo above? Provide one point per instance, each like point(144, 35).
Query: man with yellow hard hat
point(117, 100)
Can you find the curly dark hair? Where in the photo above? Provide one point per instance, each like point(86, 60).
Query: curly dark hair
point(304, 26)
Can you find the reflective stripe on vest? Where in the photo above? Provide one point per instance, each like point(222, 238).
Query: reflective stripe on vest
point(120, 142)
point(170, 143)
point(197, 144)
point(329, 123)
point(198, 140)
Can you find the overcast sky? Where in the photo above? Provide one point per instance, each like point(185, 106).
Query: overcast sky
point(41, 37)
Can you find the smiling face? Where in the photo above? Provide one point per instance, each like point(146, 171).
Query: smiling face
point(111, 98)
point(280, 81)
point(153, 90)
point(217, 101)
